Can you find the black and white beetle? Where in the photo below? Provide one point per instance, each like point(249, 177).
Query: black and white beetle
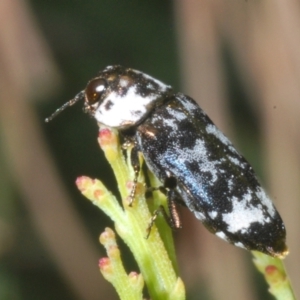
point(189, 154)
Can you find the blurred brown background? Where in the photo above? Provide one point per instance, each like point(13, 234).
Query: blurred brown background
point(239, 59)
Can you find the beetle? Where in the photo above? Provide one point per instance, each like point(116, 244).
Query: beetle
point(194, 160)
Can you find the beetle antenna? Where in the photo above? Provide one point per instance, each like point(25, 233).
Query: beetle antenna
point(78, 97)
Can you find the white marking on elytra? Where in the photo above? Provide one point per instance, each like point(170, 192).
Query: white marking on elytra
point(213, 214)
point(171, 123)
point(239, 244)
point(125, 109)
point(236, 161)
point(266, 201)
point(230, 184)
point(243, 214)
point(212, 129)
point(199, 154)
point(221, 235)
point(199, 215)
point(189, 105)
point(178, 115)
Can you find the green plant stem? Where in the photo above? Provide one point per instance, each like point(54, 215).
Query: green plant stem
point(129, 287)
point(131, 222)
point(275, 275)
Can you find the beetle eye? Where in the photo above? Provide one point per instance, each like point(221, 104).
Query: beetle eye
point(94, 90)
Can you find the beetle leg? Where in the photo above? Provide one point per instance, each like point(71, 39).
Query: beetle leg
point(134, 157)
point(173, 219)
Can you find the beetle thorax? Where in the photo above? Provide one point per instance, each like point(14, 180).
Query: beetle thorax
point(127, 97)
point(124, 107)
